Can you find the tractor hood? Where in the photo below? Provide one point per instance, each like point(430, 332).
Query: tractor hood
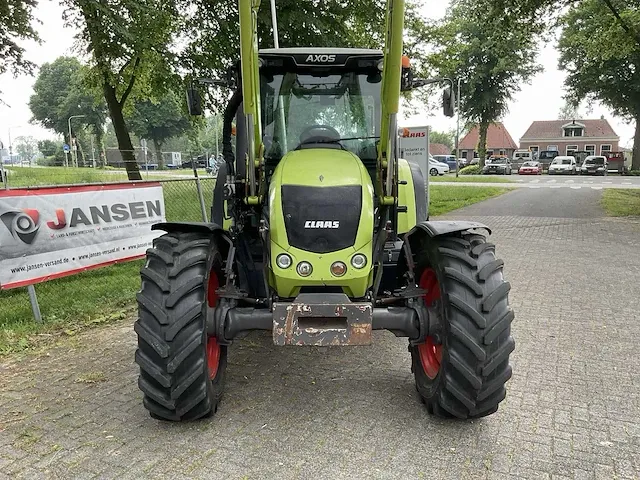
point(321, 167)
point(324, 199)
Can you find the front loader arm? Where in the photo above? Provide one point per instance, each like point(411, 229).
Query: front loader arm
point(248, 12)
point(391, 73)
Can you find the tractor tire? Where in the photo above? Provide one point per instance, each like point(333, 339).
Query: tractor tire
point(463, 373)
point(182, 370)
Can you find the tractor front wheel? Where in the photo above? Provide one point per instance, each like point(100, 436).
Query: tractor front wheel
point(181, 368)
point(461, 370)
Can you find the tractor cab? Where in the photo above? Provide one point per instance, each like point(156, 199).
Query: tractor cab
point(325, 98)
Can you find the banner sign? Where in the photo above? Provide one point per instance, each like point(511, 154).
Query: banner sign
point(54, 232)
point(414, 145)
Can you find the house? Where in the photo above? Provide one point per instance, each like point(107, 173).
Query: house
point(567, 136)
point(439, 149)
point(499, 142)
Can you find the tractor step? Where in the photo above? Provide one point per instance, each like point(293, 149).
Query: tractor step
point(322, 320)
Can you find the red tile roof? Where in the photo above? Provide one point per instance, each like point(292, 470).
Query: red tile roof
point(552, 129)
point(497, 138)
point(439, 149)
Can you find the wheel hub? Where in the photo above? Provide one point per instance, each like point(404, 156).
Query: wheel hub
point(430, 352)
point(213, 347)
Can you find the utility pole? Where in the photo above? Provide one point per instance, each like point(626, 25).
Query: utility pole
point(458, 130)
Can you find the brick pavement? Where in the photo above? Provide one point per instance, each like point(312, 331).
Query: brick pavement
point(572, 410)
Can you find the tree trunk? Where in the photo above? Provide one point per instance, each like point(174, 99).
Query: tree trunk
point(101, 163)
point(122, 134)
point(635, 159)
point(157, 144)
point(482, 143)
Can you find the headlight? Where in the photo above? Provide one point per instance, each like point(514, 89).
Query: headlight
point(283, 260)
point(338, 269)
point(304, 269)
point(358, 261)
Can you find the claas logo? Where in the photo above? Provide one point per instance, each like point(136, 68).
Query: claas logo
point(406, 133)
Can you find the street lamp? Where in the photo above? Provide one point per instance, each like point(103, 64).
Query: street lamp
point(71, 140)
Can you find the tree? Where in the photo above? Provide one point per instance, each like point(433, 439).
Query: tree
point(492, 52)
point(129, 42)
point(600, 52)
point(569, 111)
point(16, 19)
point(213, 44)
point(48, 148)
point(60, 91)
point(26, 148)
point(445, 138)
point(158, 121)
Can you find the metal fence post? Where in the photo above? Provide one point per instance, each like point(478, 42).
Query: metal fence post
point(34, 303)
point(203, 208)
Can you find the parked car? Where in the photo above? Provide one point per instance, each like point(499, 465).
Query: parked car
point(474, 161)
point(563, 165)
point(448, 159)
point(594, 165)
point(530, 168)
point(462, 162)
point(500, 166)
point(437, 168)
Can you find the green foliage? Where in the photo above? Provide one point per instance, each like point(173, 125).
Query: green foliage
point(492, 51)
point(158, 121)
point(60, 91)
point(26, 148)
point(601, 54)
point(471, 170)
point(445, 138)
point(569, 111)
point(48, 147)
point(446, 198)
point(16, 25)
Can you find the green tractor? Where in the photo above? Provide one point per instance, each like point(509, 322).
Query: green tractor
point(320, 235)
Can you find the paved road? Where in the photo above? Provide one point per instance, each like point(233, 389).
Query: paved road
point(572, 410)
point(559, 182)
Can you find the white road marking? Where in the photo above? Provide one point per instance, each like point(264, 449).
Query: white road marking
point(576, 188)
point(534, 186)
point(556, 186)
point(551, 181)
point(627, 183)
point(570, 181)
point(596, 188)
point(607, 182)
point(535, 181)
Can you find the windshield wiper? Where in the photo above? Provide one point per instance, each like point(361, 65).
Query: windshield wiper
point(337, 140)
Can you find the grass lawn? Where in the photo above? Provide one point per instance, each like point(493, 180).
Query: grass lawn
point(472, 178)
point(446, 198)
point(619, 202)
point(35, 176)
point(100, 296)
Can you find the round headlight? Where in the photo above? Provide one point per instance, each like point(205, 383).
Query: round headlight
point(338, 269)
point(283, 260)
point(304, 269)
point(358, 260)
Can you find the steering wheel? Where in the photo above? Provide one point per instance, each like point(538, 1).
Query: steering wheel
point(318, 133)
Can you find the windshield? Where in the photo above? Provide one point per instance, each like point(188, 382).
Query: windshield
point(561, 161)
point(499, 160)
point(347, 103)
point(595, 161)
point(548, 155)
point(529, 164)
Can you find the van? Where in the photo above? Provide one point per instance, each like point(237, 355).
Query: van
point(520, 156)
point(448, 159)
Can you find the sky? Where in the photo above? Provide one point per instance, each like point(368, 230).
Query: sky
point(540, 100)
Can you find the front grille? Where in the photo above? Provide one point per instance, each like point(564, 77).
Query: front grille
point(321, 219)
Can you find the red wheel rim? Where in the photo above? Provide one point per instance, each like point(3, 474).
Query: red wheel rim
point(430, 353)
point(213, 348)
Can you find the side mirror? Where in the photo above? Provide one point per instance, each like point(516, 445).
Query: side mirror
point(194, 101)
point(448, 102)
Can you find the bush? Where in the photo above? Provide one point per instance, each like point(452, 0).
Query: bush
point(634, 172)
point(471, 170)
